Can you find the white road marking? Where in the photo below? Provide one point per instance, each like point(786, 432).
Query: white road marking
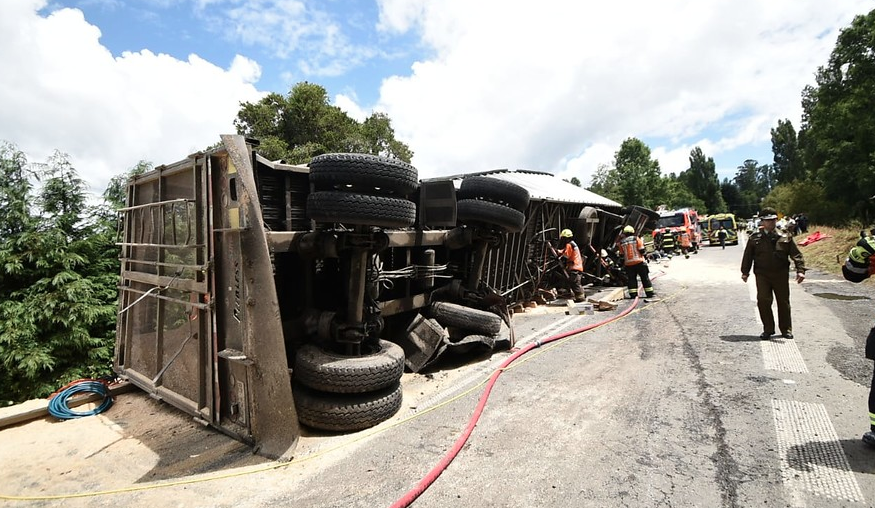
point(811, 457)
point(782, 355)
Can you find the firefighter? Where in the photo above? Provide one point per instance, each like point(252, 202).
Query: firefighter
point(859, 266)
point(657, 241)
point(632, 249)
point(668, 245)
point(569, 252)
point(686, 243)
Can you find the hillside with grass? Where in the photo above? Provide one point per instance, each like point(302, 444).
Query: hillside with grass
point(828, 255)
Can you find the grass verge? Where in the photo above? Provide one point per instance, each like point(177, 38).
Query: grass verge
point(828, 255)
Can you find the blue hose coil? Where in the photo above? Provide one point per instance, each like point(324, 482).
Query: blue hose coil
point(58, 404)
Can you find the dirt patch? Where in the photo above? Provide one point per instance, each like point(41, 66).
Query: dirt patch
point(138, 439)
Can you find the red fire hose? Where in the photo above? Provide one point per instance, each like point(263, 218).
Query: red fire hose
point(433, 475)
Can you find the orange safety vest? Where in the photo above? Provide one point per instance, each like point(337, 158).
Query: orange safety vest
point(631, 248)
point(574, 261)
point(685, 239)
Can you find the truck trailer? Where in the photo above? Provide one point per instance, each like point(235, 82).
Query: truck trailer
point(257, 295)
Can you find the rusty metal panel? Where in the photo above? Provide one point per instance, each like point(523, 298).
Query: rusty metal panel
point(199, 321)
point(254, 378)
point(164, 324)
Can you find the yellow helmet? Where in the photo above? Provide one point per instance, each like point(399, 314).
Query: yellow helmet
point(566, 233)
point(628, 229)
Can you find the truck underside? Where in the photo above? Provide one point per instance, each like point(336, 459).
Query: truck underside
point(255, 295)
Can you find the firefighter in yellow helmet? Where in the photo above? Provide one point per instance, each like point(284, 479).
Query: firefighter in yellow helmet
point(569, 253)
point(632, 249)
point(859, 266)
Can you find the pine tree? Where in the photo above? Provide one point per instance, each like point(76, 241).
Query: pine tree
point(58, 278)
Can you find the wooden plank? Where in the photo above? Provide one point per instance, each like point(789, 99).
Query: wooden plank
point(33, 409)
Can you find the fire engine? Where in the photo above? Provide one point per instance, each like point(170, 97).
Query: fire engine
point(674, 221)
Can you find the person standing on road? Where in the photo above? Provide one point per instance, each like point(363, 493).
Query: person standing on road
point(722, 234)
point(769, 252)
point(569, 252)
point(686, 243)
point(668, 245)
point(859, 266)
point(632, 249)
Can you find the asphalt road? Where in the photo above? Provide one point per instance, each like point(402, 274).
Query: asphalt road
point(676, 404)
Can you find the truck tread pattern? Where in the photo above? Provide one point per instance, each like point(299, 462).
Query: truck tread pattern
point(369, 174)
point(331, 372)
point(476, 211)
point(346, 412)
point(494, 190)
point(361, 209)
point(466, 318)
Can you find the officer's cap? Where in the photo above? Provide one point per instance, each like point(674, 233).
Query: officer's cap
point(768, 213)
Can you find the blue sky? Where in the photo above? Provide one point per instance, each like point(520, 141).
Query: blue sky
point(470, 85)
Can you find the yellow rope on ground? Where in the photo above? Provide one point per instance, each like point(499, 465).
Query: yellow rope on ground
point(277, 465)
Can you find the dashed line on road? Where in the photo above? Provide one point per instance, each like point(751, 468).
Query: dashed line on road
point(811, 457)
point(783, 355)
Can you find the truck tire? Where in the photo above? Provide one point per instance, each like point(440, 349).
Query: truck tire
point(466, 318)
point(361, 209)
point(472, 343)
point(362, 173)
point(476, 212)
point(494, 190)
point(346, 412)
point(331, 372)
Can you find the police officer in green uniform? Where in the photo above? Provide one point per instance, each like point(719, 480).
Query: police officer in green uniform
point(769, 252)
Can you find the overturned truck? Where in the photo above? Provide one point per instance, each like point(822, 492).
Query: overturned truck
point(257, 295)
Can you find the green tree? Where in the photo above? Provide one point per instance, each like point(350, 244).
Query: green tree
point(838, 127)
point(754, 182)
point(303, 124)
point(701, 180)
point(679, 195)
point(264, 120)
point(787, 155)
point(379, 138)
point(735, 201)
point(574, 181)
point(58, 280)
point(604, 182)
point(117, 190)
point(805, 196)
point(638, 178)
point(15, 188)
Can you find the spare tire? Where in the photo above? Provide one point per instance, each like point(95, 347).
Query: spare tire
point(494, 190)
point(363, 173)
point(345, 412)
point(361, 209)
point(478, 212)
point(332, 372)
point(466, 318)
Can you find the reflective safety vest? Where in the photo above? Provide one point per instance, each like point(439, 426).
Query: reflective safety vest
point(631, 248)
point(573, 259)
point(668, 241)
point(685, 239)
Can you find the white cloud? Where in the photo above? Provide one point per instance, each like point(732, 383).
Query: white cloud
point(68, 93)
point(559, 85)
point(349, 104)
point(299, 30)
